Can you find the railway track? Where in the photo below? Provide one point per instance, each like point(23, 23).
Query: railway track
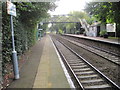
point(86, 75)
point(102, 53)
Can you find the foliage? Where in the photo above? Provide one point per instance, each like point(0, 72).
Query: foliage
point(82, 15)
point(103, 32)
point(0, 11)
point(73, 17)
point(25, 28)
point(60, 31)
point(113, 37)
point(106, 12)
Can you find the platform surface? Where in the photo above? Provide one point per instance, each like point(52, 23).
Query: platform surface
point(42, 69)
point(50, 73)
point(114, 41)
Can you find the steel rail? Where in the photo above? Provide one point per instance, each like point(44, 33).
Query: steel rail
point(100, 73)
point(94, 52)
point(97, 47)
point(78, 81)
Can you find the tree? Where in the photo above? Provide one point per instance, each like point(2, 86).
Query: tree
point(72, 17)
point(29, 14)
point(76, 15)
point(106, 12)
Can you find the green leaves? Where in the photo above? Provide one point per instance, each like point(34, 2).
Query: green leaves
point(25, 28)
point(73, 17)
point(104, 11)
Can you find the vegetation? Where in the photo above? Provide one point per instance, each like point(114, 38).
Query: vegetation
point(60, 31)
point(29, 14)
point(114, 37)
point(76, 15)
point(106, 12)
point(103, 33)
point(71, 27)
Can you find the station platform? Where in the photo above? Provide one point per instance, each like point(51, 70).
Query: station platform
point(43, 68)
point(113, 41)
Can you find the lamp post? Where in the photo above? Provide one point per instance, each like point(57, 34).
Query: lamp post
point(12, 11)
point(14, 53)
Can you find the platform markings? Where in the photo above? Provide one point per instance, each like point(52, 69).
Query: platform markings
point(64, 68)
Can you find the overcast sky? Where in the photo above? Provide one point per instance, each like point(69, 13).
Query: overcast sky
point(65, 6)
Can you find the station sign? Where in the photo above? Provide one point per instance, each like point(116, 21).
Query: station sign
point(11, 8)
point(111, 27)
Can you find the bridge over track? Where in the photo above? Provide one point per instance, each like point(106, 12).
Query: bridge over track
point(68, 18)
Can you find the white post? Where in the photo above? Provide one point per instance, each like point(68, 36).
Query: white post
point(14, 53)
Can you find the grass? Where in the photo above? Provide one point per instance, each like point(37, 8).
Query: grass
point(114, 37)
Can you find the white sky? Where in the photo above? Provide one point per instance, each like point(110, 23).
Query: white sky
point(65, 6)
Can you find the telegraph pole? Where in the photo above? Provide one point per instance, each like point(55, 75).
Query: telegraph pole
point(12, 11)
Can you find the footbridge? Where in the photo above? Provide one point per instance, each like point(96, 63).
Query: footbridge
point(67, 18)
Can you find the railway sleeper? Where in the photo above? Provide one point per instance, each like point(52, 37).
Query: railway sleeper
point(101, 53)
point(84, 73)
point(74, 62)
point(77, 64)
point(82, 69)
point(104, 87)
point(83, 66)
point(92, 82)
point(89, 79)
point(70, 57)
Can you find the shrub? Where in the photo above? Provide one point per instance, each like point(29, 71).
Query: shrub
point(60, 31)
point(28, 15)
point(103, 32)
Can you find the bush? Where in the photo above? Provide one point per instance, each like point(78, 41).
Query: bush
point(25, 24)
point(103, 32)
point(60, 31)
point(77, 32)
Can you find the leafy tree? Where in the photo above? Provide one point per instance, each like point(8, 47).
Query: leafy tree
point(76, 15)
point(29, 14)
point(73, 17)
point(106, 12)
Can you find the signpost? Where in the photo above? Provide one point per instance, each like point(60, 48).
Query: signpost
point(11, 10)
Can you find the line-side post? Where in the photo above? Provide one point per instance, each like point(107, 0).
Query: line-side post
point(11, 9)
point(14, 53)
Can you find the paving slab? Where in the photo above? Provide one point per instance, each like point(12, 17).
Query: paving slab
point(115, 41)
point(50, 73)
point(29, 69)
point(42, 69)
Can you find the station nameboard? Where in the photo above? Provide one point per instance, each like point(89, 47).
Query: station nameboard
point(11, 8)
point(111, 27)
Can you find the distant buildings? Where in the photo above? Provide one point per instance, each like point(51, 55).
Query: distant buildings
point(95, 29)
